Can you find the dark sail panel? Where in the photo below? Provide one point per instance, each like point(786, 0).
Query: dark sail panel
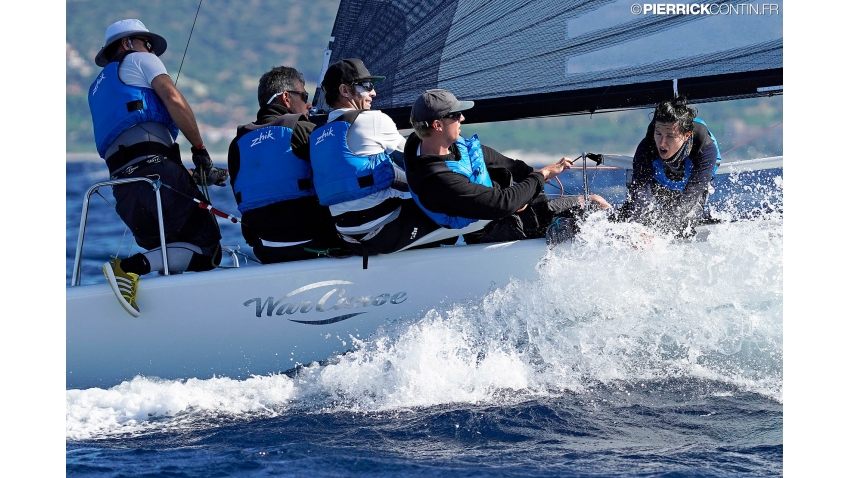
point(530, 58)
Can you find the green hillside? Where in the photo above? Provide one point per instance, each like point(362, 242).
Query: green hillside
point(233, 43)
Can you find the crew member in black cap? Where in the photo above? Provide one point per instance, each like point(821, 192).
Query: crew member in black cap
point(356, 160)
point(458, 181)
point(137, 112)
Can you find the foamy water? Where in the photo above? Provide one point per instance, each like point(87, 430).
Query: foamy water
point(617, 308)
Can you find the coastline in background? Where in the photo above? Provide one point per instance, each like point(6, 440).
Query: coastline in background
point(230, 50)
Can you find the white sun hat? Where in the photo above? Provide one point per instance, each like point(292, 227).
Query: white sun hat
point(125, 28)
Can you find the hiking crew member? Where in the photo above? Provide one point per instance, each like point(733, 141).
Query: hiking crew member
point(269, 164)
point(354, 170)
point(137, 112)
point(458, 180)
point(673, 169)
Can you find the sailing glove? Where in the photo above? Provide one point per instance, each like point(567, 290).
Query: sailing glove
point(214, 176)
point(202, 159)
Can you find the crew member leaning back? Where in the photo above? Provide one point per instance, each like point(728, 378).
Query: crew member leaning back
point(354, 169)
point(137, 112)
point(458, 181)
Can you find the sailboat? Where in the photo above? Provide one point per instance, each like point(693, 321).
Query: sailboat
point(516, 59)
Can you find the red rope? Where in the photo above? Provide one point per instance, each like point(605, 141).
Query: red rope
point(754, 137)
point(208, 207)
point(215, 211)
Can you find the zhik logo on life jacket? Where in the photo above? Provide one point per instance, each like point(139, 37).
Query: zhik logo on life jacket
point(97, 85)
point(266, 135)
point(325, 134)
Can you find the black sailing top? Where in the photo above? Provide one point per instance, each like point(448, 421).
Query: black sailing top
point(442, 190)
point(284, 221)
point(672, 210)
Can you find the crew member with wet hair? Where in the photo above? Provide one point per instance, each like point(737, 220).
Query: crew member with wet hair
point(673, 169)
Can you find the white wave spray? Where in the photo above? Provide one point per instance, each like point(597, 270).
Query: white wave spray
point(613, 307)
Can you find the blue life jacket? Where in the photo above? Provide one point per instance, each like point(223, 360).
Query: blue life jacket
point(116, 106)
point(269, 171)
point(662, 179)
point(471, 164)
point(339, 175)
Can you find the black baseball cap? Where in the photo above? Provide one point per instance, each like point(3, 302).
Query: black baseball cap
point(347, 71)
point(435, 104)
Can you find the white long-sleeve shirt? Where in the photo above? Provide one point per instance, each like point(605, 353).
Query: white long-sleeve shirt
point(373, 132)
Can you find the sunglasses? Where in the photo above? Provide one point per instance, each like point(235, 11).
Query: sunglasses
point(303, 94)
point(455, 116)
point(367, 85)
point(148, 44)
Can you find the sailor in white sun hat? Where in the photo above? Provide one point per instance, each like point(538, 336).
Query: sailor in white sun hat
point(137, 113)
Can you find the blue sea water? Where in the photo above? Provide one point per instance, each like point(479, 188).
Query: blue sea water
point(657, 359)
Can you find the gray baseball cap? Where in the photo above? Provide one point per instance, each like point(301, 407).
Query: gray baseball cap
point(126, 28)
point(435, 104)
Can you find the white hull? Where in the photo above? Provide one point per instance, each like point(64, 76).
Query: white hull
point(270, 318)
point(267, 319)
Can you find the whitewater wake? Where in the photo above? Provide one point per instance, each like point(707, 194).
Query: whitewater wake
point(619, 306)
